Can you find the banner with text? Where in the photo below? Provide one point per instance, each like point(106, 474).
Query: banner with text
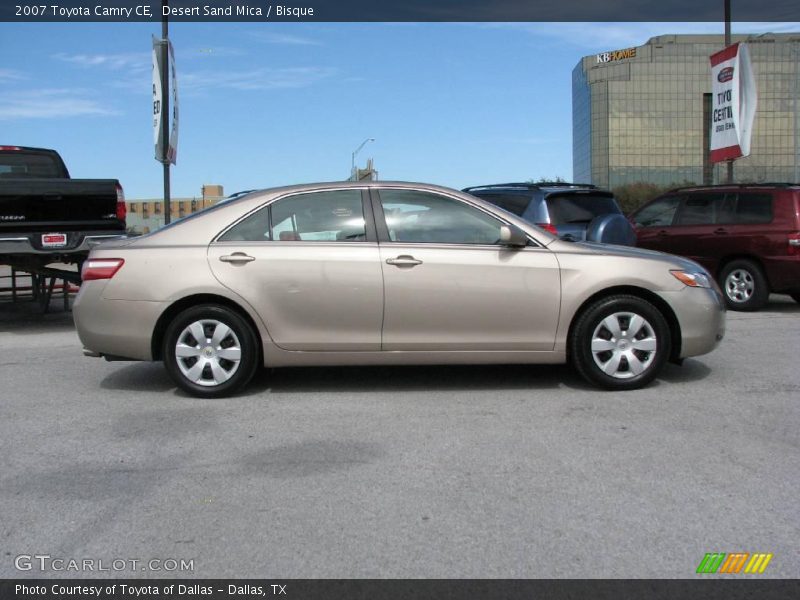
point(171, 154)
point(733, 102)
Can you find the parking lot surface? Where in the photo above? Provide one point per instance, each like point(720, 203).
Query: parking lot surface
point(463, 472)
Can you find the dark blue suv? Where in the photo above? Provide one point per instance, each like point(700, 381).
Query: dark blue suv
point(574, 211)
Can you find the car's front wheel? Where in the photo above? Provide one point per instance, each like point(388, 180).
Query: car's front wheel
point(210, 351)
point(620, 343)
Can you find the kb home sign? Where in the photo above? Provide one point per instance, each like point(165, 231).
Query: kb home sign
point(605, 57)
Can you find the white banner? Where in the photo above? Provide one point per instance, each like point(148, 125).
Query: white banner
point(733, 103)
point(172, 152)
point(156, 97)
point(158, 107)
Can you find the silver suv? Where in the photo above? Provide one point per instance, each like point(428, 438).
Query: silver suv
point(574, 211)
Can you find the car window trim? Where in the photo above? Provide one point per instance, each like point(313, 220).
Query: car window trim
point(366, 208)
point(383, 230)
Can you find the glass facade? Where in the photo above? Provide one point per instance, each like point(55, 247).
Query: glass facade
point(640, 115)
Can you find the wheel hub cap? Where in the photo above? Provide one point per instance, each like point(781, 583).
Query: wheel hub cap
point(208, 352)
point(624, 345)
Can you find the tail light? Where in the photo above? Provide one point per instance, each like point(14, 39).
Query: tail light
point(794, 244)
point(549, 227)
point(122, 210)
point(101, 268)
point(10, 148)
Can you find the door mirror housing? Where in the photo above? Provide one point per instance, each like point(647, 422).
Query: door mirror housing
point(513, 236)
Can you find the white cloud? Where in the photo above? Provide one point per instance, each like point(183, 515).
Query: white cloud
point(10, 75)
point(286, 39)
point(49, 104)
point(256, 79)
point(131, 60)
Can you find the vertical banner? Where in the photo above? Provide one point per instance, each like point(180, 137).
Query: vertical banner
point(165, 153)
point(172, 151)
point(157, 105)
point(733, 103)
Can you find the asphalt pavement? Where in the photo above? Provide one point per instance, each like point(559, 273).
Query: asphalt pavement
point(456, 472)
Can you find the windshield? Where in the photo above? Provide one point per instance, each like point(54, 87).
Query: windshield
point(572, 208)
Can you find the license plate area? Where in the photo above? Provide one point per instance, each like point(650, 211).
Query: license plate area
point(54, 240)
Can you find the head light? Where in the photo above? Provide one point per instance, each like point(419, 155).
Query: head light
point(693, 278)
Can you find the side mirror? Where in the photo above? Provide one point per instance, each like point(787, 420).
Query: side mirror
point(513, 236)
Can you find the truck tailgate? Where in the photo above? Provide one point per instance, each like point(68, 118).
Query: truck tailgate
point(65, 204)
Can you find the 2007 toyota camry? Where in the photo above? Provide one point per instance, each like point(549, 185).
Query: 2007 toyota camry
point(386, 273)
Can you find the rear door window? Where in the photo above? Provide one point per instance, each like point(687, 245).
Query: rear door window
point(754, 208)
point(325, 216)
point(568, 209)
point(701, 209)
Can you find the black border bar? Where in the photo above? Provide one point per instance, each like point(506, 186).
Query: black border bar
point(396, 10)
point(711, 588)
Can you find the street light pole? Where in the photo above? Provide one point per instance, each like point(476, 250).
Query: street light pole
point(353, 157)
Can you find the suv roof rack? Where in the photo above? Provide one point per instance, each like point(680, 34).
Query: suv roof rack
point(530, 185)
point(735, 185)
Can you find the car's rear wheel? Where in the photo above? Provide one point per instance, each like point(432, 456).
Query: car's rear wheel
point(620, 343)
point(744, 285)
point(210, 351)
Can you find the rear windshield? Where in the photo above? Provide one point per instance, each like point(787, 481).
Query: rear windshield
point(573, 208)
point(513, 203)
point(17, 164)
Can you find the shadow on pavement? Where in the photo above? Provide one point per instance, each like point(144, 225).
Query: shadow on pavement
point(28, 317)
point(139, 377)
point(691, 370)
point(416, 378)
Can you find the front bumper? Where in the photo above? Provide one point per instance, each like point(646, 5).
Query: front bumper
point(701, 317)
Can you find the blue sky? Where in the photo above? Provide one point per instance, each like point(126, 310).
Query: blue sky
point(273, 104)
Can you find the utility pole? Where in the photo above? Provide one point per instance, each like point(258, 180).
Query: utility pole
point(165, 103)
point(729, 177)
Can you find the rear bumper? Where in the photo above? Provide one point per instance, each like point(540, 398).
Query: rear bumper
point(80, 243)
point(114, 328)
point(701, 317)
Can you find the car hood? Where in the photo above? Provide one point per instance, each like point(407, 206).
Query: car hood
point(633, 252)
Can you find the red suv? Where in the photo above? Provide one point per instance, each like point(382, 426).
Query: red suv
point(747, 235)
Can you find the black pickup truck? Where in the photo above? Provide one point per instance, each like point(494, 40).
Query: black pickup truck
point(47, 217)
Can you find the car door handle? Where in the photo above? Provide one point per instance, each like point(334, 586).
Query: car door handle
point(663, 233)
point(404, 260)
point(721, 231)
point(237, 257)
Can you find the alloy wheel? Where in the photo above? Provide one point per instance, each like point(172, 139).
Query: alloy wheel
point(739, 285)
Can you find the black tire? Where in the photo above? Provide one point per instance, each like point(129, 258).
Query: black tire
point(796, 297)
point(652, 332)
point(743, 285)
point(205, 381)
